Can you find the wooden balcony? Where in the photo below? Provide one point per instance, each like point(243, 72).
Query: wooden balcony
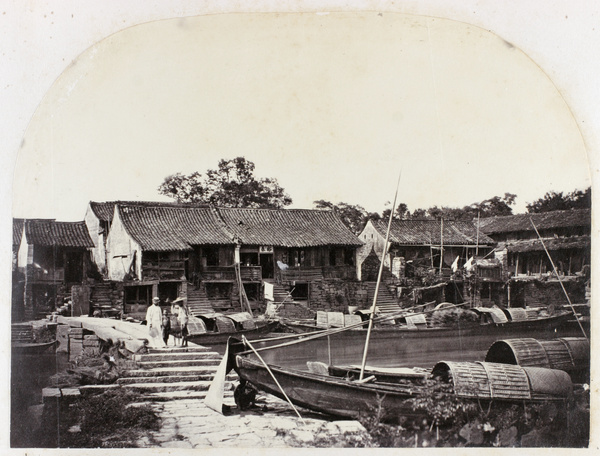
point(227, 273)
point(52, 275)
point(312, 274)
point(163, 270)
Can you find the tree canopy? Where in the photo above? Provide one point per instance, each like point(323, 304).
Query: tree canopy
point(553, 201)
point(353, 216)
point(232, 184)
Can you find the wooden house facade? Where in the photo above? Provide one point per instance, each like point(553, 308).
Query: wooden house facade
point(565, 234)
point(419, 245)
point(210, 254)
point(52, 257)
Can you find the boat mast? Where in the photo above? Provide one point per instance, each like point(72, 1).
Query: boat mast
point(441, 243)
point(477, 243)
point(373, 307)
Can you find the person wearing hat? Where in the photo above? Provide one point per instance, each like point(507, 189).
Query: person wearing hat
point(179, 311)
point(154, 322)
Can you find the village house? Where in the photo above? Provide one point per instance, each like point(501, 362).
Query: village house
point(221, 258)
point(52, 258)
point(419, 244)
point(98, 218)
point(567, 237)
point(422, 248)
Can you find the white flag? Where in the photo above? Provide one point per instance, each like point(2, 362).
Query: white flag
point(455, 264)
point(469, 264)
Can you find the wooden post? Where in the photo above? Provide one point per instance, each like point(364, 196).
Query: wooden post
point(441, 244)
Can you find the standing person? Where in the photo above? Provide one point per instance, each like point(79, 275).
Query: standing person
point(166, 326)
point(179, 310)
point(154, 322)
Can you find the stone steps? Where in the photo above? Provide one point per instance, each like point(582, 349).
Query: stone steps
point(180, 395)
point(179, 363)
point(175, 378)
point(178, 356)
point(167, 371)
point(199, 385)
point(192, 348)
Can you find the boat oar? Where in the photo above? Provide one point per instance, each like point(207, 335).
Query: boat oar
point(216, 391)
point(246, 342)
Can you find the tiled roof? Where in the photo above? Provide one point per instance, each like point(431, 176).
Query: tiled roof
point(288, 227)
point(535, 245)
point(17, 230)
point(57, 234)
point(427, 232)
point(105, 210)
point(173, 228)
point(542, 220)
point(177, 228)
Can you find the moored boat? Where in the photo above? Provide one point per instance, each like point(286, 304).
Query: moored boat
point(33, 348)
point(215, 329)
point(347, 398)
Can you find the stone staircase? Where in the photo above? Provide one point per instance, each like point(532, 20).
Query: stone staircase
point(386, 301)
point(171, 373)
point(197, 301)
point(280, 294)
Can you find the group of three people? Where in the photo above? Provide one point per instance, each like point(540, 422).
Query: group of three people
point(161, 326)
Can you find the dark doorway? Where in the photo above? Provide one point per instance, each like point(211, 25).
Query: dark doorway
point(73, 267)
point(266, 264)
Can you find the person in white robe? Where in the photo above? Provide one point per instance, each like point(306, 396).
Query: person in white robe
point(154, 322)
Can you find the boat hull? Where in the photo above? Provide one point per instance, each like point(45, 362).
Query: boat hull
point(329, 395)
point(393, 347)
point(209, 339)
point(33, 348)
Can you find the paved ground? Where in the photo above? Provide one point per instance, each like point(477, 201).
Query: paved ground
point(188, 423)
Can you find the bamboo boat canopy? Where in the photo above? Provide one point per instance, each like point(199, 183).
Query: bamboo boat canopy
point(566, 353)
point(485, 380)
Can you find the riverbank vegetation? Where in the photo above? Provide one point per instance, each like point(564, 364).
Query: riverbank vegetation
point(442, 420)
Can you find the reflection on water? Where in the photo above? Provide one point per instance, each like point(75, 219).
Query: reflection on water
point(391, 350)
point(29, 375)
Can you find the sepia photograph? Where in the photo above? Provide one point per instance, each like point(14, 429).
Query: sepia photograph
point(265, 227)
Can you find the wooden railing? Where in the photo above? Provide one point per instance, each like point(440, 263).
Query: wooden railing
point(215, 273)
point(311, 274)
point(163, 270)
point(53, 275)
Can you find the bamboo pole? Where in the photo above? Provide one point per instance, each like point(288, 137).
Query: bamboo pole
point(374, 306)
point(273, 376)
point(441, 243)
point(559, 280)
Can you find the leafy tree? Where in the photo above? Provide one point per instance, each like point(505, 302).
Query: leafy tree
point(553, 201)
point(355, 217)
point(486, 208)
point(232, 184)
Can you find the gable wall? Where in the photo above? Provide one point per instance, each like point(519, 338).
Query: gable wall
point(120, 248)
point(94, 229)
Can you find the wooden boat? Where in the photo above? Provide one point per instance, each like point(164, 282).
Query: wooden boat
point(216, 329)
point(345, 398)
point(32, 348)
point(400, 346)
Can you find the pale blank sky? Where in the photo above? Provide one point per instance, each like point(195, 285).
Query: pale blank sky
point(333, 106)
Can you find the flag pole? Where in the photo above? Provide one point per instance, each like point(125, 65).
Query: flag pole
point(373, 307)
